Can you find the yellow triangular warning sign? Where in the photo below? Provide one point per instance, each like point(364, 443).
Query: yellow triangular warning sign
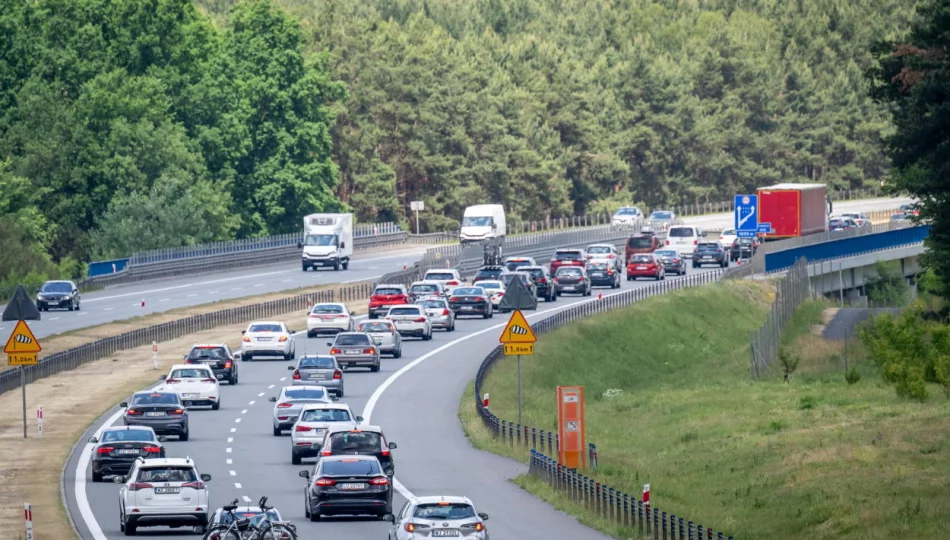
point(518, 330)
point(22, 340)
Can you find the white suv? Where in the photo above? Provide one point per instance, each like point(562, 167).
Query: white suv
point(163, 492)
point(312, 424)
point(448, 277)
point(267, 338)
point(195, 384)
point(411, 320)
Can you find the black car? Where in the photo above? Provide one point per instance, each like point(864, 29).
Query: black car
point(347, 485)
point(710, 253)
point(487, 273)
point(672, 261)
point(117, 448)
point(603, 274)
point(743, 248)
point(161, 411)
point(218, 357)
point(542, 281)
point(362, 440)
point(471, 301)
point(571, 279)
point(58, 294)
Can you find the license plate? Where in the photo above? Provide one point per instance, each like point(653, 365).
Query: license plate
point(442, 533)
point(467, 308)
point(641, 268)
point(129, 451)
point(160, 413)
point(220, 375)
point(166, 490)
point(352, 352)
point(191, 396)
point(318, 375)
point(707, 258)
point(321, 430)
point(403, 323)
point(352, 486)
point(598, 274)
point(264, 339)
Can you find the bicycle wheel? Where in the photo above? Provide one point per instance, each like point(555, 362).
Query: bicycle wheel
point(221, 533)
point(278, 532)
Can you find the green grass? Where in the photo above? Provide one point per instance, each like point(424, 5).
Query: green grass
point(814, 458)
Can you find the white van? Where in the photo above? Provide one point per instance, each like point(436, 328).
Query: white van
point(483, 222)
point(328, 241)
point(684, 238)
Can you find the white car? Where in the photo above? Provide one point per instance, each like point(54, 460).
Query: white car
point(495, 290)
point(448, 277)
point(267, 338)
point(605, 253)
point(627, 215)
point(437, 516)
point(329, 318)
point(163, 492)
point(685, 238)
point(727, 237)
point(517, 261)
point(312, 425)
point(195, 384)
point(411, 320)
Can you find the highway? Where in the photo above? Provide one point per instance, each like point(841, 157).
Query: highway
point(124, 301)
point(414, 399)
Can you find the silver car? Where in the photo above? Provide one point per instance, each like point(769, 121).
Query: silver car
point(385, 335)
point(312, 426)
point(355, 349)
point(437, 517)
point(411, 320)
point(291, 400)
point(421, 289)
point(321, 369)
point(439, 312)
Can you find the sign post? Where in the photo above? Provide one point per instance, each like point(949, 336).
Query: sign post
point(518, 338)
point(417, 206)
point(28, 515)
point(154, 355)
point(570, 426)
point(22, 349)
point(39, 420)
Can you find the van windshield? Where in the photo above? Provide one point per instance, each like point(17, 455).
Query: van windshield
point(477, 221)
point(682, 232)
point(320, 240)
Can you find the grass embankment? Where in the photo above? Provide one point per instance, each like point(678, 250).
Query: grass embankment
point(815, 458)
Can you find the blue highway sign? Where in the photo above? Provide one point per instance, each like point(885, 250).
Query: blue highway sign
point(746, 234)
point(747, 214)
point(764, 228)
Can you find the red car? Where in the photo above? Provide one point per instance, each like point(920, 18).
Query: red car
point(385, 296)
point(645, 265)
point(568, 257)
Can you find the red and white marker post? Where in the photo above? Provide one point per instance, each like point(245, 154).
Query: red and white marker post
point(39, 421)
point(154, 355)
point(485, 400)
point(646, 496)
point(28, 514)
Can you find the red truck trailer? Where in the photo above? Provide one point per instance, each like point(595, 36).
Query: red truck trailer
point(793, 209)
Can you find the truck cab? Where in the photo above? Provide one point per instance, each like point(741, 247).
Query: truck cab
point(483, 222)
point(327, 242)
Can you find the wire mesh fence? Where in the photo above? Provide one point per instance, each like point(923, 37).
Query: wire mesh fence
point(790, 292)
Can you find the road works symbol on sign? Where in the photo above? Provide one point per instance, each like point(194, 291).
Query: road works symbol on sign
point(518, 337)
point(22, 346)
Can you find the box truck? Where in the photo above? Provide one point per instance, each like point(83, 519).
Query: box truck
point(327, 241)
point(793, 209)
point(483, 222)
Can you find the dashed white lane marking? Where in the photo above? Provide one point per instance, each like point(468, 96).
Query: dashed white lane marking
point(246, 498)
point(81, 313)
point(228, 450)
point(271, 386)
point(235, 289)
point(261, 394)
point(282, 379)
point(285, 281)
point(237, 420)
point(237, 485)
point(233, 429)
point(258, 284)
point(233, 473)
point(111, 308)
point(55, 319)
point(192, 295)
point(244, 411)
point(251, 402)
point(229, 461)
point(230, 439)
point(164, 299)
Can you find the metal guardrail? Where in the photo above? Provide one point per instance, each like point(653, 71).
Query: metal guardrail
point(606, 502)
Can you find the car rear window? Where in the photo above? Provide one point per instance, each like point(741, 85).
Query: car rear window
point(599, 250)
point(387, 291)
point(707, 245)
point(428, 287)
point(490, 285)
point(597, 266)
point(326, 415)
point(375, 327)
point(469, 291)
point(514, 265)
point(324, 362)
point(432, 303)
point(439, 276)
point(351, 339)
point(365, 442)
point(189, 374)
point(642, 258)
point(682, 232)
point(265, 328)
point(157, 398)
point(640, 242)
point(168, 473)
point(665, 253)
point(444, 511)
point(568, 255)
point(568, 271)
point(404, 311)
point(209, 354)
point(728, 232)
point(488, 274)
point(304, 393)
point(327, 309)
point(661, 215)
point(535, 272)
point(134, 435)
point(350, 467)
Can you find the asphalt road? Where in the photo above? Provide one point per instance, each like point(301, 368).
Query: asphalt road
point(415, 399)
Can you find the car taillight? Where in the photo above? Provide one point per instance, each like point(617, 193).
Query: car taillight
point(410, 527)
point(420, 319)
point(453, 282)
point(228, 364)
point(335, 351)
point(135, 486)
point(171, 380)
point(282, 339)
point(326, 452)
point(379, 481)
point(297, 374)
point(284, 405)
point(445, 311)
point(385, 453)
point(152, 449)
point(312, 316)
point(246, 339)
point(454, 299)
point(196, 485)
point(479, 527)
point(695, 242)
point(177, 411)
point(104, 449)
point(401, 298)
point(209, 380)
point(676, 261)
point(303, 428)
point(337, 374)
point(324, 482)
point(370, 351)
point(133, 412)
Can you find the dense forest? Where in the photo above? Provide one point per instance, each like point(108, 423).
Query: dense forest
point(133, 124)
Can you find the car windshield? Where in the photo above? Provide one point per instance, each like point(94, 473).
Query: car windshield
point(136, 435)
point(365, 442)
point(439, 276)
point(642, 258)
point(256, 516)
point(304, 393)
point(535, 272)
point(432, 304)
point(189, 374)
point(350, 467)
point(477, 221)
point(322, 362)
point(469, 291)
point(57, 286)
point(568, 255)
point(265, 328)
point(640, 242)
point(320, 240)
point(661, 215)
point(490, 285)
point(404, 311)
point(387, 291)
point(569, 272)
point(375, 327)
point(326, 415)
point(208, 353)
point(156, 398)
point(167, 474)
point(627, 211)
point(599, 250)
point(351, 339)
point(327, 309)
point(437, 511)
point(682, 232)
point(428, 287)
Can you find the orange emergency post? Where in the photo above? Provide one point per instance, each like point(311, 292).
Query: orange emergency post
point(570, 427)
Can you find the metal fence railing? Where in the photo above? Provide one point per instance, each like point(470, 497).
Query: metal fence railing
point(606, 502)
point(790, 291)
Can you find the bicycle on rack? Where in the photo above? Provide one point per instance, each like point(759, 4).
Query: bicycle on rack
point(245, 529)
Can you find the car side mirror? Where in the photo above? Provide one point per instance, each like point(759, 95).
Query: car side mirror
point(206, 477)
point(184, 357)
point(118, 480)
point(299, 245)
point(392, 446)
point(353, 313)
point(359, 418)
point(163, 439)
point(334, 398)
point(342, 245)
point(329, 344)
point(304, 474)
point(124, 404)
point(272, 399)
point(483, 515)
point(243, 332)
point(163, 377)
point(390, 518)
point(93, 440)
point(291, 368)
